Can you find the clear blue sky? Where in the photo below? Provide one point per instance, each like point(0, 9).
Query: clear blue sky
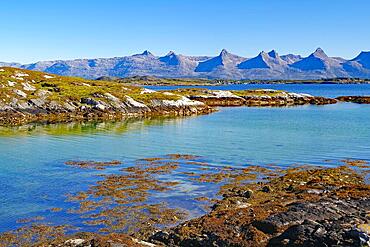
point(46, 29)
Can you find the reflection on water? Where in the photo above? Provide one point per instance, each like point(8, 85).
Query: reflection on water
point(85, 128)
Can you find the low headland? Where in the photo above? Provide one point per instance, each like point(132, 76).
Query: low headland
point(30, 97)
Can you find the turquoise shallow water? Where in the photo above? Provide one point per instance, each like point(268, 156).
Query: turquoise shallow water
point(34, 178)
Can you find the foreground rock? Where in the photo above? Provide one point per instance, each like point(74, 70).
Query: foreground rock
point(260, 206)
point(314, 207)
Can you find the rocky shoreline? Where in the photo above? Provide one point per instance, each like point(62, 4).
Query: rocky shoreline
point(355, 99)
point(258, 97)
point(21, 117)
point(29, 96)
point(313, 207)
point(260, 206)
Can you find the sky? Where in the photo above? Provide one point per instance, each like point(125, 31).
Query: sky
point(48, 30)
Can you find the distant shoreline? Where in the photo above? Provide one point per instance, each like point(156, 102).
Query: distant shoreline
point(157, 81)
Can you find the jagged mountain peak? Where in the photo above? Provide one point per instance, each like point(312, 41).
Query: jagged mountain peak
point(170, 53)
point(262, 53)
point(171, 58)
point(224, 59)
point(258, 62)
point(145, 53)
point(273, 54)
point(319, 53)
point(224, 52)
point(319, 61)
point(264, 61)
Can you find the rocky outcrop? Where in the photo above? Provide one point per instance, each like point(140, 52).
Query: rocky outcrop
point(355, 99)
point(326, 222)
point(308, 207)
point(257, 98)
point(37, 110)
point(28, 96)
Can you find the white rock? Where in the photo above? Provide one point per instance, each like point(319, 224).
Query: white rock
point(100, 107)
point(48, 77)
point(17, 78)
point(143, 243)
point(43, 93)
point(28, 87)
point(111, 97)
point(168, 93)
point(134, 103)
point(2, 70)
point(146, 90)
point(306, 95)
point(77, 241)
point(221, 94)
point(19, 74)
point(295, 95)
point(20, 93)
point(242, 204)
point(11, 83)
point(177, 103)
point(265, 90)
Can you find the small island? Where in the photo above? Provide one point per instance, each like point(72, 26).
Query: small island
point(30, 96)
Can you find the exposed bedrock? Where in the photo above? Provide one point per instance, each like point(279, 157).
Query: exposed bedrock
point(355, 99)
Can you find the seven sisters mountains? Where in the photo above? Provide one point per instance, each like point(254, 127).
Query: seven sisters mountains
point(224, 66)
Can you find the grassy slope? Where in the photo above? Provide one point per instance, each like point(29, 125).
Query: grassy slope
point(66, 88)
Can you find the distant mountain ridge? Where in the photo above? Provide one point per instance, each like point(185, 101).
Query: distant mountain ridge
point(224, 66)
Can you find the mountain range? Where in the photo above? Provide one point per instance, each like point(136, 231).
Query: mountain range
point(224, 66)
